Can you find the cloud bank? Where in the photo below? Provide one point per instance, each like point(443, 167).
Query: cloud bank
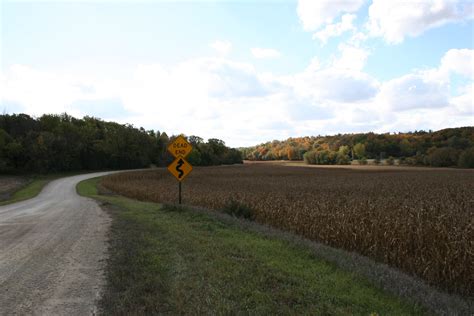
point(224, 98)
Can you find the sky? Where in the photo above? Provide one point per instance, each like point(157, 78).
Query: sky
point(244, 71)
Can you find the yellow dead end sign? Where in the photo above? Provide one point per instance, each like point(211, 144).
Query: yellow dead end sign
point(180, 147)
point(180, 168)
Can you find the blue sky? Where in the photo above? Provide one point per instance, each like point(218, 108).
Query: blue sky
point(241, 71)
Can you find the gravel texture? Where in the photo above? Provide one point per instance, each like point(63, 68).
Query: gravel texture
point(52, 251)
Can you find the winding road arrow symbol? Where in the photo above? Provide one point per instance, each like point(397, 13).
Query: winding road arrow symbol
point(178, 168)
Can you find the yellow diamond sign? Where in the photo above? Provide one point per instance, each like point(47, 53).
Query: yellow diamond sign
point(180, 168)
point(180, 147)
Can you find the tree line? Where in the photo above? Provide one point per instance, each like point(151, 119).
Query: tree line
point(443, 148)
point(54, 143)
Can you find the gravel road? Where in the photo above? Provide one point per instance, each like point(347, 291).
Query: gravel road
point(52, 251)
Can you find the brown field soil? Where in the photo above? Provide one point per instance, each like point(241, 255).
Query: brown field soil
point(10, 184)
point(353, 166)
point(421, 222)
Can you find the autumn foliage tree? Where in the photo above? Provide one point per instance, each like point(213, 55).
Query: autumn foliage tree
point(447, 147)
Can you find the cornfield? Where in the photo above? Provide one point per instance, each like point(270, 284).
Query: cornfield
point(421, 221)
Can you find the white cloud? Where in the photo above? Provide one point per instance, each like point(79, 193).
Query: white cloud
point(314, 64)
point(351, 57)
point(195, 86)
point(208, 96)
point(459, 61)
point(343, 85)
point(222, 47)
point(424, 119)
point(332, 84)
point(313, 14)
point(464, 103)
point(336, 29)
point(39, 92)
point(395, 19)
point(415, 91)
point(3, 83)
point(358, 37)
point(262, 53)
point(430, 90)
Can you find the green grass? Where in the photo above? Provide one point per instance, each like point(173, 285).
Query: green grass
point(34, 187)
point(88, 187)
point(29, 191)
point(170, 260)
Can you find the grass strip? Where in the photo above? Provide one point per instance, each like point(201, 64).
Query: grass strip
point(29, 191)
point(170, 260)
point(35, 186)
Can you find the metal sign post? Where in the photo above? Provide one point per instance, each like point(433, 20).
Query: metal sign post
point(180, 168)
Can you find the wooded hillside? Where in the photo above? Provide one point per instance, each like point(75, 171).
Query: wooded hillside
point(54, 143)
point(447, 147)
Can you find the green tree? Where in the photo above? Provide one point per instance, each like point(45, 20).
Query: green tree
point(466, 159)
point(194, 157)
point(359, 150)
point(342, 157)
point(442, 157)
point(344, 150)
point(406, 148)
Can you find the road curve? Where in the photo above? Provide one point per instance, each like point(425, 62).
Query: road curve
point(52, 251)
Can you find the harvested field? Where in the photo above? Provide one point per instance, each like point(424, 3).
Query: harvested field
point(421, 221)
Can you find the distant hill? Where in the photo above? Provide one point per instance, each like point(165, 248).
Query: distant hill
point(443, 148)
